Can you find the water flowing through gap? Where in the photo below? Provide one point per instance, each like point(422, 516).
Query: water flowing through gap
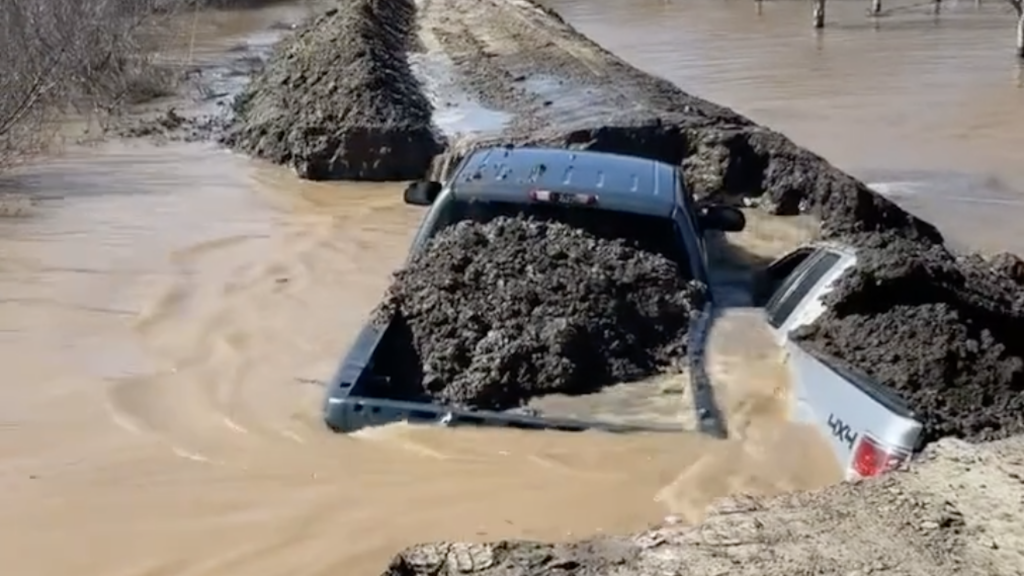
point(162, 310)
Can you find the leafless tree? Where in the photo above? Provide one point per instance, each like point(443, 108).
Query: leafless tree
point(59, 55)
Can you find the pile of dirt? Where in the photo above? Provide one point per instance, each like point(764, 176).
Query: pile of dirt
point(518, 308)
point(943, 331)
point(337, 100)
point(955, 513)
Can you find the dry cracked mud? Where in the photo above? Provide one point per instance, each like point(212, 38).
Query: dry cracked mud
point(955, 512)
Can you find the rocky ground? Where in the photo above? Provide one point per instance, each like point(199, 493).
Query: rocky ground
point(955, 512)
point(508, 310)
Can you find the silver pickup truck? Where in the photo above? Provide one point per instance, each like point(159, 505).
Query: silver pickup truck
point(869, 429)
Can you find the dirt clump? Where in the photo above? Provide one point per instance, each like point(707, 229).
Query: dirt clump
point(518, 308)
point(943, 331)
point(168, 125)
point(1010, 265)
point(956, 512)
point(338, 100)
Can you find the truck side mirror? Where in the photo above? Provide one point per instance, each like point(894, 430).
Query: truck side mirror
point(422, 193)
point(724, 218)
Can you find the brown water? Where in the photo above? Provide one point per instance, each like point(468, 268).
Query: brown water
point(163, 307)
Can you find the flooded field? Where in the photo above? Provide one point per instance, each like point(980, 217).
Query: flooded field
point(166, 308)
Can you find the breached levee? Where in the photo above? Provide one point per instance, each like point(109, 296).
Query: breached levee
point(394, 89)
point(338, 100)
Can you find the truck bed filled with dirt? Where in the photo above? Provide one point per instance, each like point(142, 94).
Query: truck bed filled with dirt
point(504, 311)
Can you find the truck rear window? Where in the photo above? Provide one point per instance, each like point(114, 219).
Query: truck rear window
point(651, 233)
point(796, 287)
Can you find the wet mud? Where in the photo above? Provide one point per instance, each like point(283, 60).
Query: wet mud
point(338, 100)
point(914, 522)
point(515, 308)
point(942, 330)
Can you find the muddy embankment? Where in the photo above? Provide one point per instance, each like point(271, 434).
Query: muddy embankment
point(337, 100)
point(957, 512)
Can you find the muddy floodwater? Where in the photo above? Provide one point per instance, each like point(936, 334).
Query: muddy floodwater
point(167, 310)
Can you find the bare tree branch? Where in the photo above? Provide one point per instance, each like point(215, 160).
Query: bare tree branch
point(59, 55)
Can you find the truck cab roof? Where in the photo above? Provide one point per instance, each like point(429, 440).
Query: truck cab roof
point(622, 183)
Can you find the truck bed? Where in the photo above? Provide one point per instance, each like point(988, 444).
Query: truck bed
point(379, 383)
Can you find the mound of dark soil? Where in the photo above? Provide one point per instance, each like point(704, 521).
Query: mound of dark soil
point(517, 308)
point(944, 332)
point(337, 100)
point(731, 160)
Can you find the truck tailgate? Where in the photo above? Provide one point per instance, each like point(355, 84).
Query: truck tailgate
point(869, 429)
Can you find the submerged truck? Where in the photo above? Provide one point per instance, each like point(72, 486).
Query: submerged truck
point(869, 429)
point(608, 195)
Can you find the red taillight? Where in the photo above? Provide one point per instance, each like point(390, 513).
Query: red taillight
point(871, 458)
point(562, 197)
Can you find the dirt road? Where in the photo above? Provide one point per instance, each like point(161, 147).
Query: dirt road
point(956, 512)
